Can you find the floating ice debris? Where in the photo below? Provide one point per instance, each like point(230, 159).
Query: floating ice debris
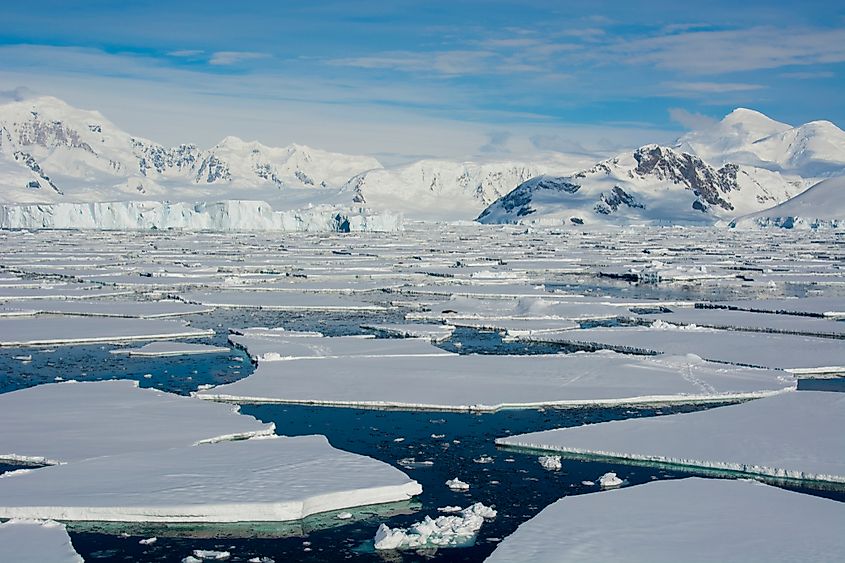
point(27, 358)
point(588, 483)
point(148, 541)
point(700, 519)
point(443, 531)
point(210, 555)
point(483, 459)
point(450, 509)
point(412, 463)
point(36, 541)
point(399, 440)
point(550, 462)
point(165, 349)
point(261, 560)
point(457, 485)
point(191, 559)
point(344, 516)
point(610, 481)
point(438, 436)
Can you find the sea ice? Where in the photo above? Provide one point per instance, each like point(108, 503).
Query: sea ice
point(31, 331)
point(610, 481)
point(748, 321)
point(63, 422)
point(550, 462)
point(278, 301)
point(788, 435)
point(687, 519)
point(435, 333)
point(490, 383)
point(164, 349)
point(261, 479)
point(457, 485)
point(33, 541)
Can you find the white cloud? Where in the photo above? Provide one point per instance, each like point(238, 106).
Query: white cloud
point(691, 120)
point(234, 57)
point(713, 87)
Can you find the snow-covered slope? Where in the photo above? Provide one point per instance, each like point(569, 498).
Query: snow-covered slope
point(53, 152)
point(653, 184)
point(810, 151)
point(821, 206)
point(441, 189)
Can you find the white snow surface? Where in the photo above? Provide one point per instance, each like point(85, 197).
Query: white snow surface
point(269, 479)
point(748, 321)
point(797, 354)
point(433, 332)
point(44, 330)
point(70, 421)
point(112, 308)
point(789, 435)
point(490, 383)
point(228, 215)
point(443, 531)
point(278, 300)
point(269, 347)
point(820, 207)
point(811, 306)
point(695, 519)
point(34, 541)
point(165, 349)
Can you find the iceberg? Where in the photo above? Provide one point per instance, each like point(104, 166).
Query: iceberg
point(688, 519)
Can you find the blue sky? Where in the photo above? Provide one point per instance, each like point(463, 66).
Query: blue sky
point(401, 79)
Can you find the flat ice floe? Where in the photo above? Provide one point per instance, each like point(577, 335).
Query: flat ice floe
point(683, 520)
point(547, 308)
point(268, 346)
point(33, 541)
point(797, 354)
point(59, 291)
point(433, 332)
point(65, 422)
point(270, 479)
point(41, 330)
point(278, 301)
point(130, 309)
point(812, 306)
point(793, 435)
point(165, 349)
point(489, 383)
point(756, 322)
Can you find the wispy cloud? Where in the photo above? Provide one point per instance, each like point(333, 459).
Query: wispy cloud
point(712, 87)
point(691, 120)
point(185, 53)
point(221, 58)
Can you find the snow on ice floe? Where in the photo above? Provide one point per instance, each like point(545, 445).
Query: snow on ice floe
point(809, 306)
point(490, 383)
point(433, 332)
point(268, 346)
point(748, 321)
point(261, 479)
point(551, 307)
point(278, 301)
point(797, 354)
point(443, 531)
point(59, 291)
point(32, 331)
point(787, 436)
point(165, 349)
point(110, 308)
point(65, 422)
point(689, 519)
point(35, 541)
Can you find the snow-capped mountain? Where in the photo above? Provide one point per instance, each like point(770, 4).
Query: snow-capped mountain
point(653, 184)
point(811, 151)
point(53, 152)
point(439, 189)
point(821, 206)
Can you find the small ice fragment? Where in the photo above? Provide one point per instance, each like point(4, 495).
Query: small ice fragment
point(588, 483)
point(148, 376)
point(399, 439)
point(438, 436)
point(211, 555)
point(148, 541)
point(550, 462)
point(450, 509)
point(443, 531)
point(23, 358)
point(483, 459)
point(261, 560)
point(344, 516)
point(191, 559)
point(457, 485)
point(610, 481)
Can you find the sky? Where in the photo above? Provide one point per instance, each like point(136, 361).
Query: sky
point(402, 80)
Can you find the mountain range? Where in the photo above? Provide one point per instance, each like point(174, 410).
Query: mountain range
point(51, 152)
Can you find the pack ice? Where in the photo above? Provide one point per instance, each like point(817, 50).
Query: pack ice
point(31, 331)
point(786, 436)
point(34, 541)
point(690, 519)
